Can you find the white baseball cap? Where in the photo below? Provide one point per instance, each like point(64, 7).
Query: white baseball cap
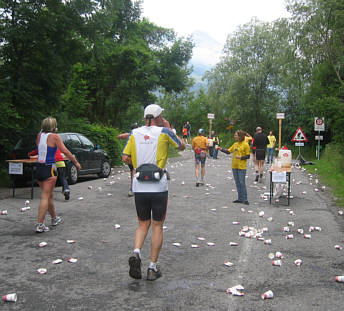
point(154, 110)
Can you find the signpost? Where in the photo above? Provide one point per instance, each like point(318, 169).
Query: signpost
point(280, 116)
point(211, 116)
point(300, 139)
point(319, 125)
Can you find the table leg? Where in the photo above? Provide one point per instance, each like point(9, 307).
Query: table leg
point(14, 185)
point(271, 187)
point(288, 174)
point(32, 181)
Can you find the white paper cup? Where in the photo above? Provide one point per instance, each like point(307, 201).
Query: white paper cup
point(10, 297)
point(268, 295)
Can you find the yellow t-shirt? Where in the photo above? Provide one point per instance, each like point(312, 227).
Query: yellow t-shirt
point(272, 140)
point(239, 149)
point(200, 142)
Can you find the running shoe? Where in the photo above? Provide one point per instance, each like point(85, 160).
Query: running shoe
point(40, 228)
point(197, 184)
point(257, 177)
point(66, 194)
point(135, 266)
point(237, 201)
point(130, 193)
point(152, 274)
point(246, 203)
point(56, 221)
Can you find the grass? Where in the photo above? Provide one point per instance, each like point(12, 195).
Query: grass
point(330, 169)
point(173, 152)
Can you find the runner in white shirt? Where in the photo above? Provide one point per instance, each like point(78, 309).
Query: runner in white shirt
point(147, 151)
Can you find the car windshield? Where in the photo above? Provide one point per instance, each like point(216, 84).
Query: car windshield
point(27, 142)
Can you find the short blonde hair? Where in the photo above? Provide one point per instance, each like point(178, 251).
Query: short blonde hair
point(49, 124)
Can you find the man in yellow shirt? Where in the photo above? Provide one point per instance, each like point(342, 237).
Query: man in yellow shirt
point(200, 146)
point(271, 146)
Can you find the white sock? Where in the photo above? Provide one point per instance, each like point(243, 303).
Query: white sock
point(138, 251)
point(152, 266)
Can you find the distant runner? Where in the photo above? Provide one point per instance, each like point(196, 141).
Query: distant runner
point(200, 146)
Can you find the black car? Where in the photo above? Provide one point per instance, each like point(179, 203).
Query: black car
point(93, 160)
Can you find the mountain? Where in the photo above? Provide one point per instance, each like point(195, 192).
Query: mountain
point(206, 54)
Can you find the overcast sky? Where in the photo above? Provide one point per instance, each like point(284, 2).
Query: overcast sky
point(217, 18)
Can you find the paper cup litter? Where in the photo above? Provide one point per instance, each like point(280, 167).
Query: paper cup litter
point(268, 295)
point(42, 271)
point(279, 255)
point(340, 278)
point(10, 297)
point(43, 244)
point(72, 260)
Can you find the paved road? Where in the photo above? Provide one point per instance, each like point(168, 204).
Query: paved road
point(193, 278)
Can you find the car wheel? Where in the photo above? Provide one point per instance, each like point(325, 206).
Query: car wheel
point(72, 174)
point(105, 169)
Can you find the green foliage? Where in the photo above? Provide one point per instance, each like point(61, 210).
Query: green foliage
point(331, 170)
point(98, 61)
point(101, 135)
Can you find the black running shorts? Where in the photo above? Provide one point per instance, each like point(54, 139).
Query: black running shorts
point(260, 154)
point(45, 171)
point(151, 205)
point(131, 167)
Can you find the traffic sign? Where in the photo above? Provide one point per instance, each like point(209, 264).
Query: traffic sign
point(299, 136)
point(319, 137)
point(299, 144)
point(211, 116)
point(319, 124)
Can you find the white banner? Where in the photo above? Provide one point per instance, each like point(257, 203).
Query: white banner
point(279, 176)
point(15, 168)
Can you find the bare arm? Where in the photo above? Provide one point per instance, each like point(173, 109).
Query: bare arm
point(123, 136)
point(126, 159)
point(65, 151)
point(165, 123)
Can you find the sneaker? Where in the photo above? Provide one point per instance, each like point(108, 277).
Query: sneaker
point(201, 183)
point(40, 228)
point(152, 275)
point(237, 201)
point(66, 194)
point(135, 266)
point(246, 203)
point(130, 193)
point(261, 176)
point(197, 184)
point(257, 177)
point(56, 221)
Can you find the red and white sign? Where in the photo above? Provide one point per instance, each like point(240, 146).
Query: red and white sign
point(319, 124)
point(299, 136)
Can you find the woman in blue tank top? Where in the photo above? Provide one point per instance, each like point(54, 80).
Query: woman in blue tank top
point(47, 143)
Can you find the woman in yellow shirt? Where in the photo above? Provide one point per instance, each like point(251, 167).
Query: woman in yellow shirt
point(241, 153)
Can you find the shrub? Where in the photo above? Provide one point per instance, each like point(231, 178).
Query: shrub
point(102, 135)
